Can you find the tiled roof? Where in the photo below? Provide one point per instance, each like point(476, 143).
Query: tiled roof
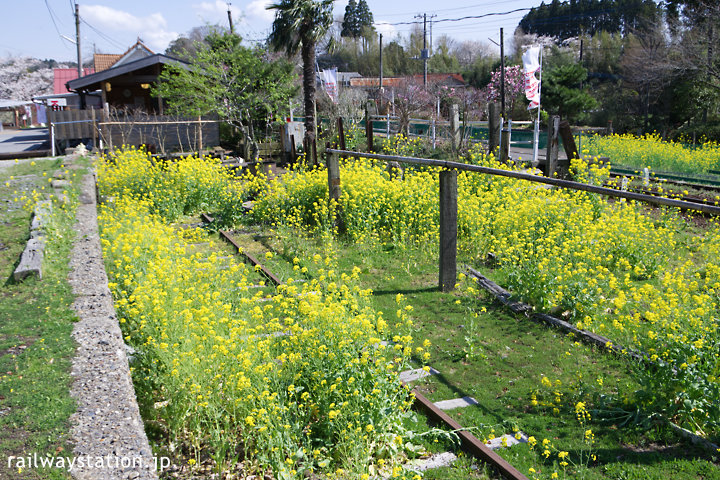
point(103, 61)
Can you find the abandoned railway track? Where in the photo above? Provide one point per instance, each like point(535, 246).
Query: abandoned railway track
point(432, 410)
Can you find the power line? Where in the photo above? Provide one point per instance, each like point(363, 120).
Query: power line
point(468, 17)
point(448, 9)
point(102, 35)
point(52, 17)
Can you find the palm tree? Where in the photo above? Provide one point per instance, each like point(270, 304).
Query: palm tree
point(298, 26)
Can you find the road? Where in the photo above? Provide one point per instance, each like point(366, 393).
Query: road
point(14, 141)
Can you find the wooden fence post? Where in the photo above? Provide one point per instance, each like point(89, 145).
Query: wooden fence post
point(368, 130)
point(551, 159)
point(314, 152)
point(494, 128)
point(94, 129)
point(293, 153)
point(200, 139)
point(505, 142)
point(334, 191)
point(455, 127)
point(448, 230)
point(568, 141)
point(341, 134)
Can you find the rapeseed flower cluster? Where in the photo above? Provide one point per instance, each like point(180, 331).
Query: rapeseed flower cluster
point(609, 266)
point(652, 151)
point(297, 381)
point(188, 185)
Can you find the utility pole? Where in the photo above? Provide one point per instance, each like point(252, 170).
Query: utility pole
point(431, 36)
point(502, 73)
point(77, 40)
point(424, 54)
point(381, 64)
point(582, 43)
point(232, 30)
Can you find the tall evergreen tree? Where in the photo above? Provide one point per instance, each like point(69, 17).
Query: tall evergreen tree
point(365, 17)
point(570, 19)
point(351, 21)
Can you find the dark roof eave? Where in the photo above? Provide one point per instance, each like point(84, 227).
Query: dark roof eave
point(94, 79)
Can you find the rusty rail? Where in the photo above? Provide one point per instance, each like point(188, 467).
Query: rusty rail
point(250, 258)
point(470, 443)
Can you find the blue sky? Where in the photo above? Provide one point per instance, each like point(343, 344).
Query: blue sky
point(112, 26)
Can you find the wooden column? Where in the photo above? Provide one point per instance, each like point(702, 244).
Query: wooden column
point(455, 127)
point(94, 128)
point(448, 230)
point(333, 169)
point(293, 153)
point(494, 127)
point(368, 130)
point(199, 135)
point(341, 134)
point(551, 159)
point(505, 143)
point(568, 141)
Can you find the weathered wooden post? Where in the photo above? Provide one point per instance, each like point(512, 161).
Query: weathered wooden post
point(199, 134)
point(293, 153)
point(494, 127)
point(448, 230)
point(107, 130)
point(314, 152)
point(94, 129)
point(505, 143)
point(568, 141)
point(551, 159)
point(368, 130)
point(455, 127)
point(332, 161)
point(341, 133)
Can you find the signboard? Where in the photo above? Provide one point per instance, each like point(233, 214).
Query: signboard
point(57, 102)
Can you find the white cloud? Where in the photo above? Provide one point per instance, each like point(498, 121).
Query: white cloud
point(216, 12)
point(151, 28)
point(386, 29)
point(257, 11)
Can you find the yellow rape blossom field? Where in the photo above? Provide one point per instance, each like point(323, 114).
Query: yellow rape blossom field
point(636, 276)
point(294, 382)
point(652, 151)
point(299, 380)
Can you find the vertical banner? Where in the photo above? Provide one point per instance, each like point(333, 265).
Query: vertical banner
point(331, 87)
point(531, 64)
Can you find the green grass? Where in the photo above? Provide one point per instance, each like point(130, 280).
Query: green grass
point(499, 359)
point(35, 326)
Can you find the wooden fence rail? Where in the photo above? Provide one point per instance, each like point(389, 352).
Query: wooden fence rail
point(448, 197)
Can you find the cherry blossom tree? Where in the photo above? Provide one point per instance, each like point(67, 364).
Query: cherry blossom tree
point(514, 86)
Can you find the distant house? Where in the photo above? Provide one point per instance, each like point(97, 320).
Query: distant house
point(63, 75)
point(126, 83)
point(343, 78)
point(14, 113)
point(103, 61)
point(446, 79)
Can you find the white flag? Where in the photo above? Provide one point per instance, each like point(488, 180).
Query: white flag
point(531, 64)
point(331, 87)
